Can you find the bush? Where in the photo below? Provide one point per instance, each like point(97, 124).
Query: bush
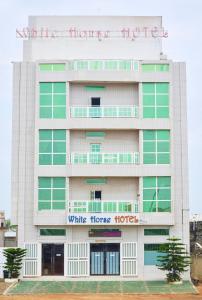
point(14, 257)
point(174, 259)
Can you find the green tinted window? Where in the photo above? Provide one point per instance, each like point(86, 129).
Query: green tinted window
point(52, 67)
point(155, 67)
point(157, 194)
point(156, 231)
point(52, 147)
point(52, 100)
point(155, 100)
point(156, 146)
point(51, 193)
point(52, 232)
point(96, 181)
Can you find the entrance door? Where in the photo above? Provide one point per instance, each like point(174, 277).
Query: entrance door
point(105, 259)
point(52, 259)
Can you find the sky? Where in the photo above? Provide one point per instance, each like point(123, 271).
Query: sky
point(182, 19)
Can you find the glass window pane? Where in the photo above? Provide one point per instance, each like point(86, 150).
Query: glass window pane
point(59, 159)
point(59, 134)
point(149, 206)
point(46, 99)
point(45, 67)
point(45, 134)
point(44, 205)
point(149, 194)
point(164, 206)
point(162, 87)
point(163, 146)
point(44, 182)
point(58, 205)
point(59, 182)
point(58, 67)
point(59, 87)
point(164, 194)
point(163, 158)
point(149, 100)
point(45, 87)
point(148, 88)
point(149, 134)
point(150, 258)
point(164, 181)
point(162, 68)
point(156, 231)
point(59, 112)
point(45, 112)
point(149, 146)
point(149, 182)
point(52, 232)
point(45, 159)
point(148, 112)
point(59, 194)
point(149, 158)
point(59, 147)
point(44, 194)
point(148, 67)
point(163, 134)
point(45, 147)
point(162, 112)
point(59, 99)
point(162, 100)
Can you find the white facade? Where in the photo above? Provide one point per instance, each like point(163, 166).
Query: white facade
point(111, 91)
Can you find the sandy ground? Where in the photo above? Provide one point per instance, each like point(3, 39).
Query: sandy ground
point(103, 297)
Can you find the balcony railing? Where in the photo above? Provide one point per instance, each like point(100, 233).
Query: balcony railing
point(105, 158)
point(102, 206)
point(104, 111)
point(103, 65)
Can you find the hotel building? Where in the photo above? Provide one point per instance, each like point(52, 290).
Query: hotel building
point(99, 151)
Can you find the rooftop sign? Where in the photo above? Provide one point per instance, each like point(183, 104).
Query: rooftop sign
point(124, 33)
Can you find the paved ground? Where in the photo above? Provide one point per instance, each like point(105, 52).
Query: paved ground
point(88, 296)
point(97, 287)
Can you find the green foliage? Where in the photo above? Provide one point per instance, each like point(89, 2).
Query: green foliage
point(14, 257)
point(174, 259)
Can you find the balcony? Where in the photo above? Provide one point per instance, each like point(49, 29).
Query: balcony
point(104, 111)
point(105, 158)
point(102, 206)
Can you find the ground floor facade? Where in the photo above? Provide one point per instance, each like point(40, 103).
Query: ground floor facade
point(85, 252)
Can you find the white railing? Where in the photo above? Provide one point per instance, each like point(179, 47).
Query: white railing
point(104, 111)
point(105, 158)
point(102, 206)
point(103, 65)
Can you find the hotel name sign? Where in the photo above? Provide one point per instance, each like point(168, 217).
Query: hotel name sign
point(125, 33)
point(102, 219)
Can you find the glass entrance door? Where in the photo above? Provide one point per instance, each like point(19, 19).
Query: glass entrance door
point(52, 259)
point(105, 259)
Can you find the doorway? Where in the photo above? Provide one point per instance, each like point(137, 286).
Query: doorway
point(105, 259)
point(53, 259)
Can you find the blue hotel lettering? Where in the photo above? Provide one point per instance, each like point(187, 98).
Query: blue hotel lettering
point(75, 219)
point(83, 220)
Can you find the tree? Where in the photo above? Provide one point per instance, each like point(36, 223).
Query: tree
point(14, 257)
point(174, 259)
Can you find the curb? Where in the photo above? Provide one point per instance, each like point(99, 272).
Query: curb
point(10, 287)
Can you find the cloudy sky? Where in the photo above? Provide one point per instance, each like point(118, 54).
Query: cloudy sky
point(182, 19)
